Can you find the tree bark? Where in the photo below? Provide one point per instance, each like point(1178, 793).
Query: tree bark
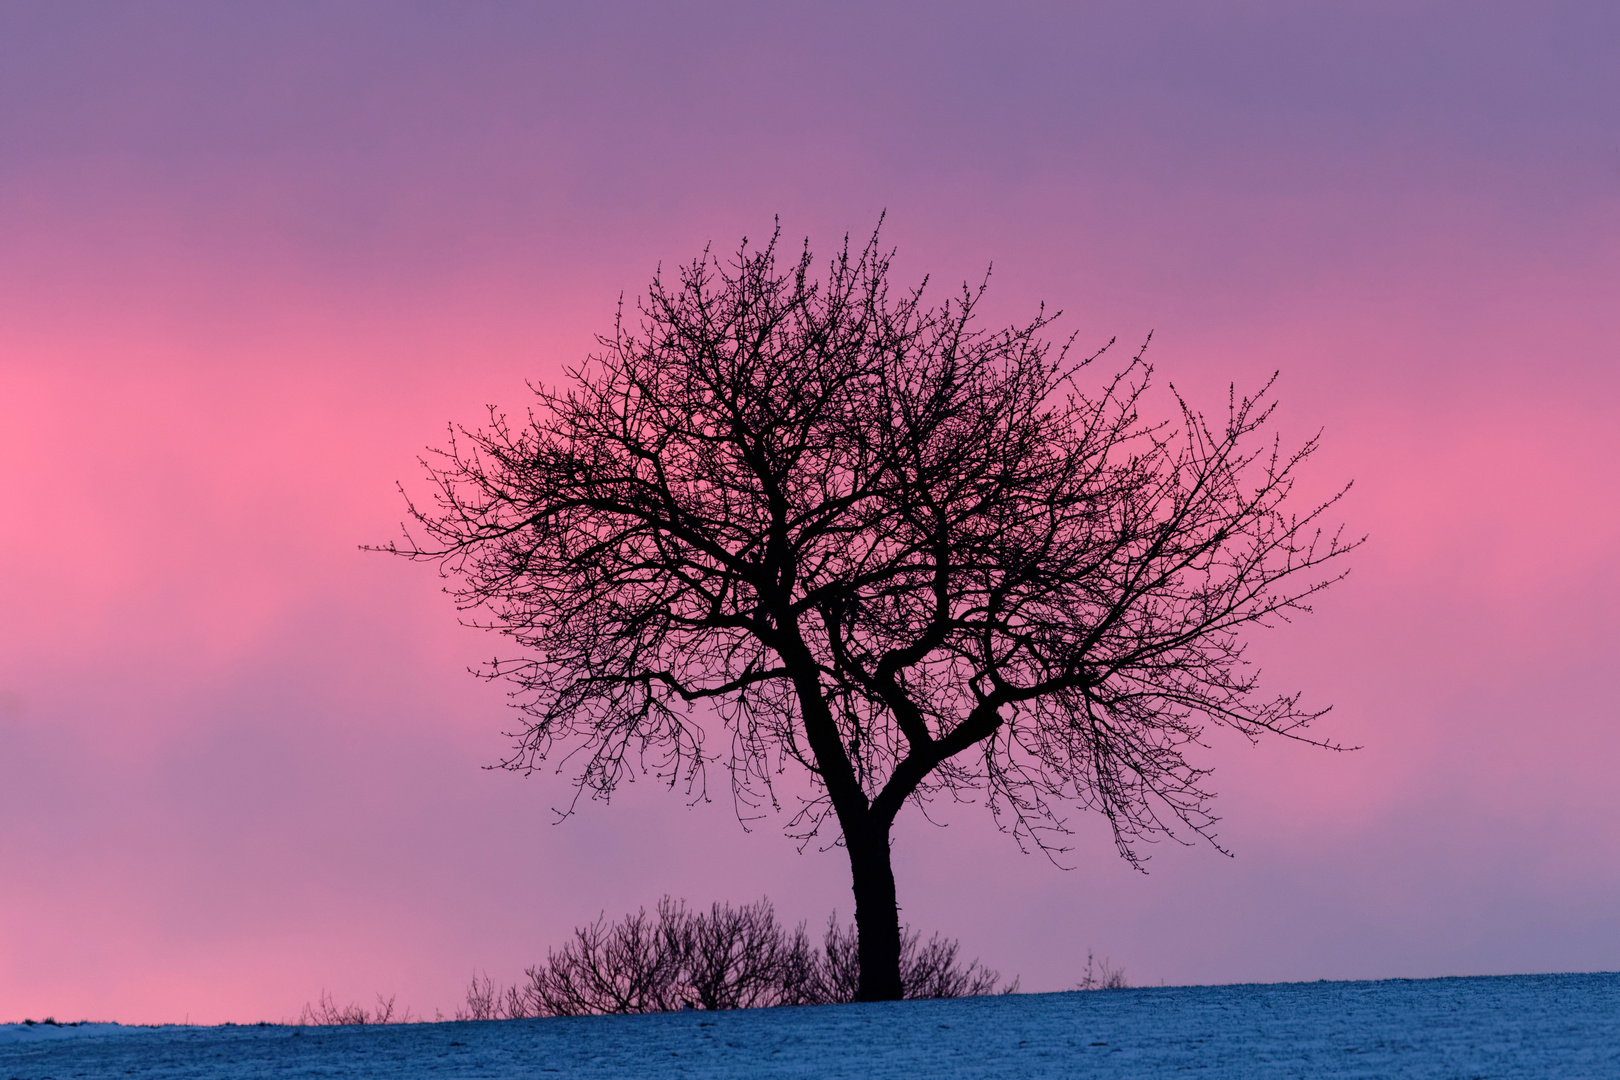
point(865, 829)
point(877, 913)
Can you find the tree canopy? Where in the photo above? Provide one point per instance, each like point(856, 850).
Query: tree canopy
point(788, 520)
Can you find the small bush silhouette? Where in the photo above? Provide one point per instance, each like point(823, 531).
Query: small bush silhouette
point(927, 970)
point(1100, 976)
point(723, 958)
point(328, 1013)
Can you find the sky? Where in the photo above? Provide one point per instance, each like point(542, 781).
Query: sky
point(255, 258)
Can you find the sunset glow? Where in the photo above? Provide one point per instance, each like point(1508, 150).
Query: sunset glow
point(254, 260)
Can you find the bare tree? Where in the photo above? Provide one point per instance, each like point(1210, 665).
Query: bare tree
point(864, 536)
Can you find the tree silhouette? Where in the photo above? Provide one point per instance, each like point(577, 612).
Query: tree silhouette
point(824, 524)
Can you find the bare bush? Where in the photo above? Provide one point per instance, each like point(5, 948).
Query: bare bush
point(1100, 976)
point(741, 959)
point(328, 1013)
point(927, 969)
point(839, 965)
point(723, 958)
point(484, 1000)
point(629, 967)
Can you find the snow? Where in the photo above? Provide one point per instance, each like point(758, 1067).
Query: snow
point(49, 1031)
point(1512, 1026)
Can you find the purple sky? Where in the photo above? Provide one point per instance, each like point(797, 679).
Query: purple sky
point(253, 258)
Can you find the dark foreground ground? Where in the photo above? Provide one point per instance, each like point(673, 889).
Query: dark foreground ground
point(1511, 1026)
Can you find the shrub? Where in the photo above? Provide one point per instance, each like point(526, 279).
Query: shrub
point(723, 958)
point(327, 1012)
point(927, 970)
point(1102, 977)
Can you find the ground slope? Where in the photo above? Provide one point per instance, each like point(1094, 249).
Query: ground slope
point(1541, 1026)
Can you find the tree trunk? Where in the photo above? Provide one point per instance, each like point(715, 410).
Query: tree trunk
point(866, 833)
point(877, 914)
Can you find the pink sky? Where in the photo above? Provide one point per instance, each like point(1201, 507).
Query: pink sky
point(251, 264)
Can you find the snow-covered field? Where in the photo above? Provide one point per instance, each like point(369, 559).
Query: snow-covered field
point(1511, 1026)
